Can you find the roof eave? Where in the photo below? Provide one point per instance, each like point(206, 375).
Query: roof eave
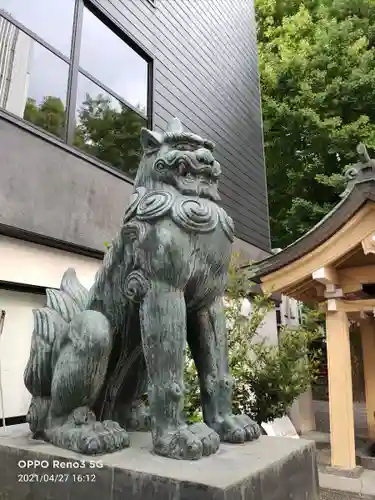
point(360, 194)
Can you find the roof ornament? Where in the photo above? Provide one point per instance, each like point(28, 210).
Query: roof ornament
point(362, 171)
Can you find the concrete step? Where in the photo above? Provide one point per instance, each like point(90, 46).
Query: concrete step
point(333, 487)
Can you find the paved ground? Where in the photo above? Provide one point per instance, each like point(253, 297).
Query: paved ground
point(337, 487)
point(348, 488)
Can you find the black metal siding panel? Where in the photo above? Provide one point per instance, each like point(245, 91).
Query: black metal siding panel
point(206, 73)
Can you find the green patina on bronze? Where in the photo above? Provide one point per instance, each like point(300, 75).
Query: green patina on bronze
point(95, 353)
point(362, 171)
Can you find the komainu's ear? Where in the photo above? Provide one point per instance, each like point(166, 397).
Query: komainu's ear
point(174, 127)
point(150, 140)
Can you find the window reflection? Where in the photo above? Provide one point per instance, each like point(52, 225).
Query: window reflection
point(105, 56)
point(50, 19)
point(106, 128)
point(33, 82)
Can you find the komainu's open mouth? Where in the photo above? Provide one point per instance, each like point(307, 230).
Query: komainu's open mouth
point(192, 170)
point(192, 173)
point(202, 184)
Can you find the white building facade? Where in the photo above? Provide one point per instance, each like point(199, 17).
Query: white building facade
point(15, 55)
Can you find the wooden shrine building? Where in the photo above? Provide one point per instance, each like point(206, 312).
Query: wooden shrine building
point(333, 265)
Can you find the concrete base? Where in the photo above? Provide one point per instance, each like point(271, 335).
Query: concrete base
point(340, 495)
point(336, 471)
point(268, 469)
point(333, 487)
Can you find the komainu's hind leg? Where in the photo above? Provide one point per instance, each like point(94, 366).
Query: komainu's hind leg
point(123, 394)
point(134, 416)
point(207, 337)
point(79, 371)
point(130, 377)
point(133, 413)
point(163, 327)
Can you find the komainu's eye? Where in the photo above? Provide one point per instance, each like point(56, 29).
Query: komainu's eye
point(185, 147)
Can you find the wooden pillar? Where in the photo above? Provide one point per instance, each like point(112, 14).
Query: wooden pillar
point(340, 391)
point(368, 349)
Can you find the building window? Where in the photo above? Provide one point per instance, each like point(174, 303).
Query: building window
point(50, 21)
point(77, 78)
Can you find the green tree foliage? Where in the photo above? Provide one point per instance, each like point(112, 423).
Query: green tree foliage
point(267, 377)
point(111, 133)
point(49, 115)
point(317, 66)
point(105, 130)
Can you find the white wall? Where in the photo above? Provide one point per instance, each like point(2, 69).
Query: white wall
point(15, 347)
point(31, 264)
point(23, 262)
point(19, 82)
point(289, 311)
point(15, 58)
point(289, 317)
point(268, 329)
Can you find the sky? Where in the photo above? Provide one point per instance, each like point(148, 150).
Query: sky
point(102, 54)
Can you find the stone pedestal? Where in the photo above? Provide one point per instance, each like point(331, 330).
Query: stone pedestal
point(268, 469)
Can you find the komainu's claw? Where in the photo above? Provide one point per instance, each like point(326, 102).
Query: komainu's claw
point(237, 429)
point(209, 438)
point(92, 438)
point(180, 444)
point(251, 428)
point(188, 443)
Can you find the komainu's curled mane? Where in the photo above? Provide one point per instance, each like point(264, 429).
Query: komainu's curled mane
point(95, 353)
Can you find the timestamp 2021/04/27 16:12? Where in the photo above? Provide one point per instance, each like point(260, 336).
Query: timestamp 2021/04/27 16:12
point(56, 478)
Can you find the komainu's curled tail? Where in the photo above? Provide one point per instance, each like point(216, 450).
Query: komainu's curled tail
point(68, 360)
point(51, 324)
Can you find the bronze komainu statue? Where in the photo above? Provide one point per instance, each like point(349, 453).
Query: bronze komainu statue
point(95, 354)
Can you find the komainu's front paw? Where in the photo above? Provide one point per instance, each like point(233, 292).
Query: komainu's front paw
point(92, 438)
point(237, 429)
point(188, 443)
point(102, 437)
point(209, 438)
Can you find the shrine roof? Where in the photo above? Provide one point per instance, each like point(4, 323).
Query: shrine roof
point(360, 190)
